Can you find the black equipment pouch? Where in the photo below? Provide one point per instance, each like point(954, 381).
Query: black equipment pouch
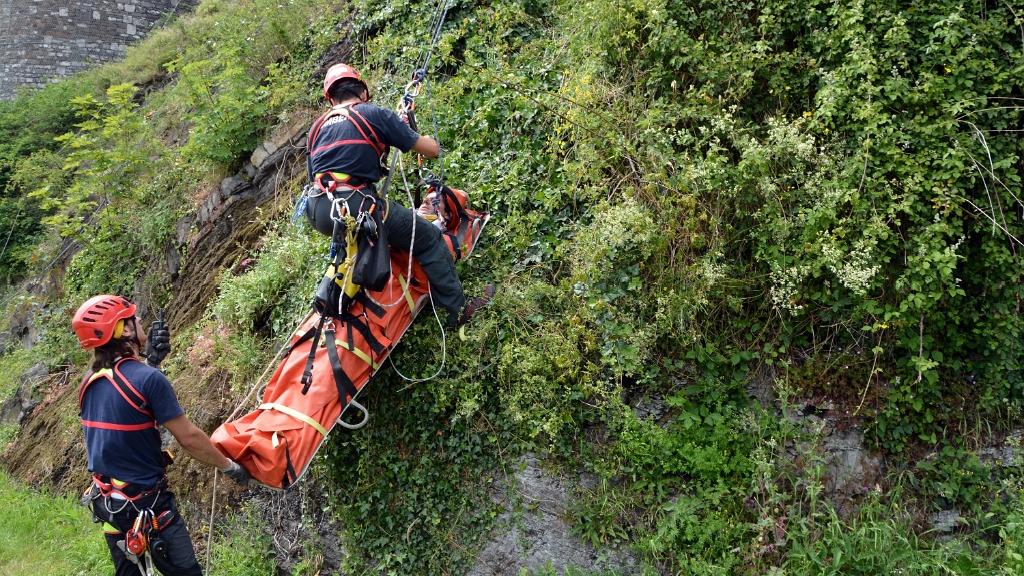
point(373, 262)
point(328, 297)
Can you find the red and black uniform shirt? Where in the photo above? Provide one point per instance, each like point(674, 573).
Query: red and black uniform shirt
point(130, 456)
point(341, 147)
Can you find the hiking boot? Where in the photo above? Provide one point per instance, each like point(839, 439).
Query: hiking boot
point(476, 303)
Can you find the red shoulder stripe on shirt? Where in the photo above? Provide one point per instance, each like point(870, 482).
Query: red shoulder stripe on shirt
point(118, 427)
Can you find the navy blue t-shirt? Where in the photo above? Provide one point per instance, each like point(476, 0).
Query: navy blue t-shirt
point(134, 456)
point(337, 149)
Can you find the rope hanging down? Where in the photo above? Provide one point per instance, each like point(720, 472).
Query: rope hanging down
point(407, 104)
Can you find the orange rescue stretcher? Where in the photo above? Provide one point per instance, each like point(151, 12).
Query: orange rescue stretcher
point(276, 442)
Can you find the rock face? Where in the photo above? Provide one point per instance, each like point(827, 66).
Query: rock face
point(225, 224)
point(16, 408)
point(537, 536)
point(42, 40)
point(851, 469)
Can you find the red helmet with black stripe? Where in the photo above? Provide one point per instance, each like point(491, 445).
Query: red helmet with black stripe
point(96, 320)
point(338, 72)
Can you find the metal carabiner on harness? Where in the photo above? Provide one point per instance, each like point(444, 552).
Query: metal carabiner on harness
point(366, 224)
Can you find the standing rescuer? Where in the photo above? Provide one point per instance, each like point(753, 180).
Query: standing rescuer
point(122, 402)
point(347, 148)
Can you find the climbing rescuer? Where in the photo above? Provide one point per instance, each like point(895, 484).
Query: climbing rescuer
point(122, 402)
point(347, 149)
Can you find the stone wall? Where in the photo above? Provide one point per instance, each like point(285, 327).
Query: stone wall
point(43, 40)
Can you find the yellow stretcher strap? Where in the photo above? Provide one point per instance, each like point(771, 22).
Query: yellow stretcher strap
point(405, 291)
point(294, 414)
point(360, 354)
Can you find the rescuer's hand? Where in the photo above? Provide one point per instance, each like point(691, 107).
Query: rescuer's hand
point(158, 342)
point(237, 473)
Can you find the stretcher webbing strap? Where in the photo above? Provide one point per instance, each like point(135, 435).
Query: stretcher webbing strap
point(359, 354)
point(408, 297)
point(304, 418)
point(351, 322)
point(453, 241)
point(307, 373)
point(289, 471)
point(369, 305)
point(304, 338)
point(341, 379)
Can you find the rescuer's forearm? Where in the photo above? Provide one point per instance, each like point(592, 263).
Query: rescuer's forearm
point(196, 442)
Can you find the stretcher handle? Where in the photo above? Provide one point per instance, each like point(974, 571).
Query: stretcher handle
point(361, 423)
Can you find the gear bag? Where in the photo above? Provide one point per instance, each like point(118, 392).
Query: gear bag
point(373, 260)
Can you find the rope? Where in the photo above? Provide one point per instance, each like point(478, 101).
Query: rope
point(419, 75)
point(404, 106)
point(440, 14)
point(444, 353)
point(213, 510)
point(252, 390)
point(444, 344)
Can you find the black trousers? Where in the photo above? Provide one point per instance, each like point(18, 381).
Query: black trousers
point(430, 249)
point(180, 556)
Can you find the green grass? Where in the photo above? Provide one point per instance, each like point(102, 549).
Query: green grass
point(247, 552)
point(46, 535)
point(43, 535)
point(881, 540)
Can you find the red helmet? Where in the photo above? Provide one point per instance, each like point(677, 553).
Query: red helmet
point(337, 72)
point(455, 203)
point(96, 320)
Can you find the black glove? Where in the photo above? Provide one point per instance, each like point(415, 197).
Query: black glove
point(237, 473)
point(158, 342)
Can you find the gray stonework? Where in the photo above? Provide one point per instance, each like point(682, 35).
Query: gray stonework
point(44, 40)
point(533, 534)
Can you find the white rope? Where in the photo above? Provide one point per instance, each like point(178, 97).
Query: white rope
point(213, 511)
point(252, 390)
point(444, 353)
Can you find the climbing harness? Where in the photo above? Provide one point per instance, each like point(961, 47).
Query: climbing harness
point(368, 137)
point(107, 497)
point(124, 388)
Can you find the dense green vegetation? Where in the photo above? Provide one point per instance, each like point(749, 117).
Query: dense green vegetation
point(692, 201)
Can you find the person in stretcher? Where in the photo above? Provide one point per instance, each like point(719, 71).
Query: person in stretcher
point(346, 150)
